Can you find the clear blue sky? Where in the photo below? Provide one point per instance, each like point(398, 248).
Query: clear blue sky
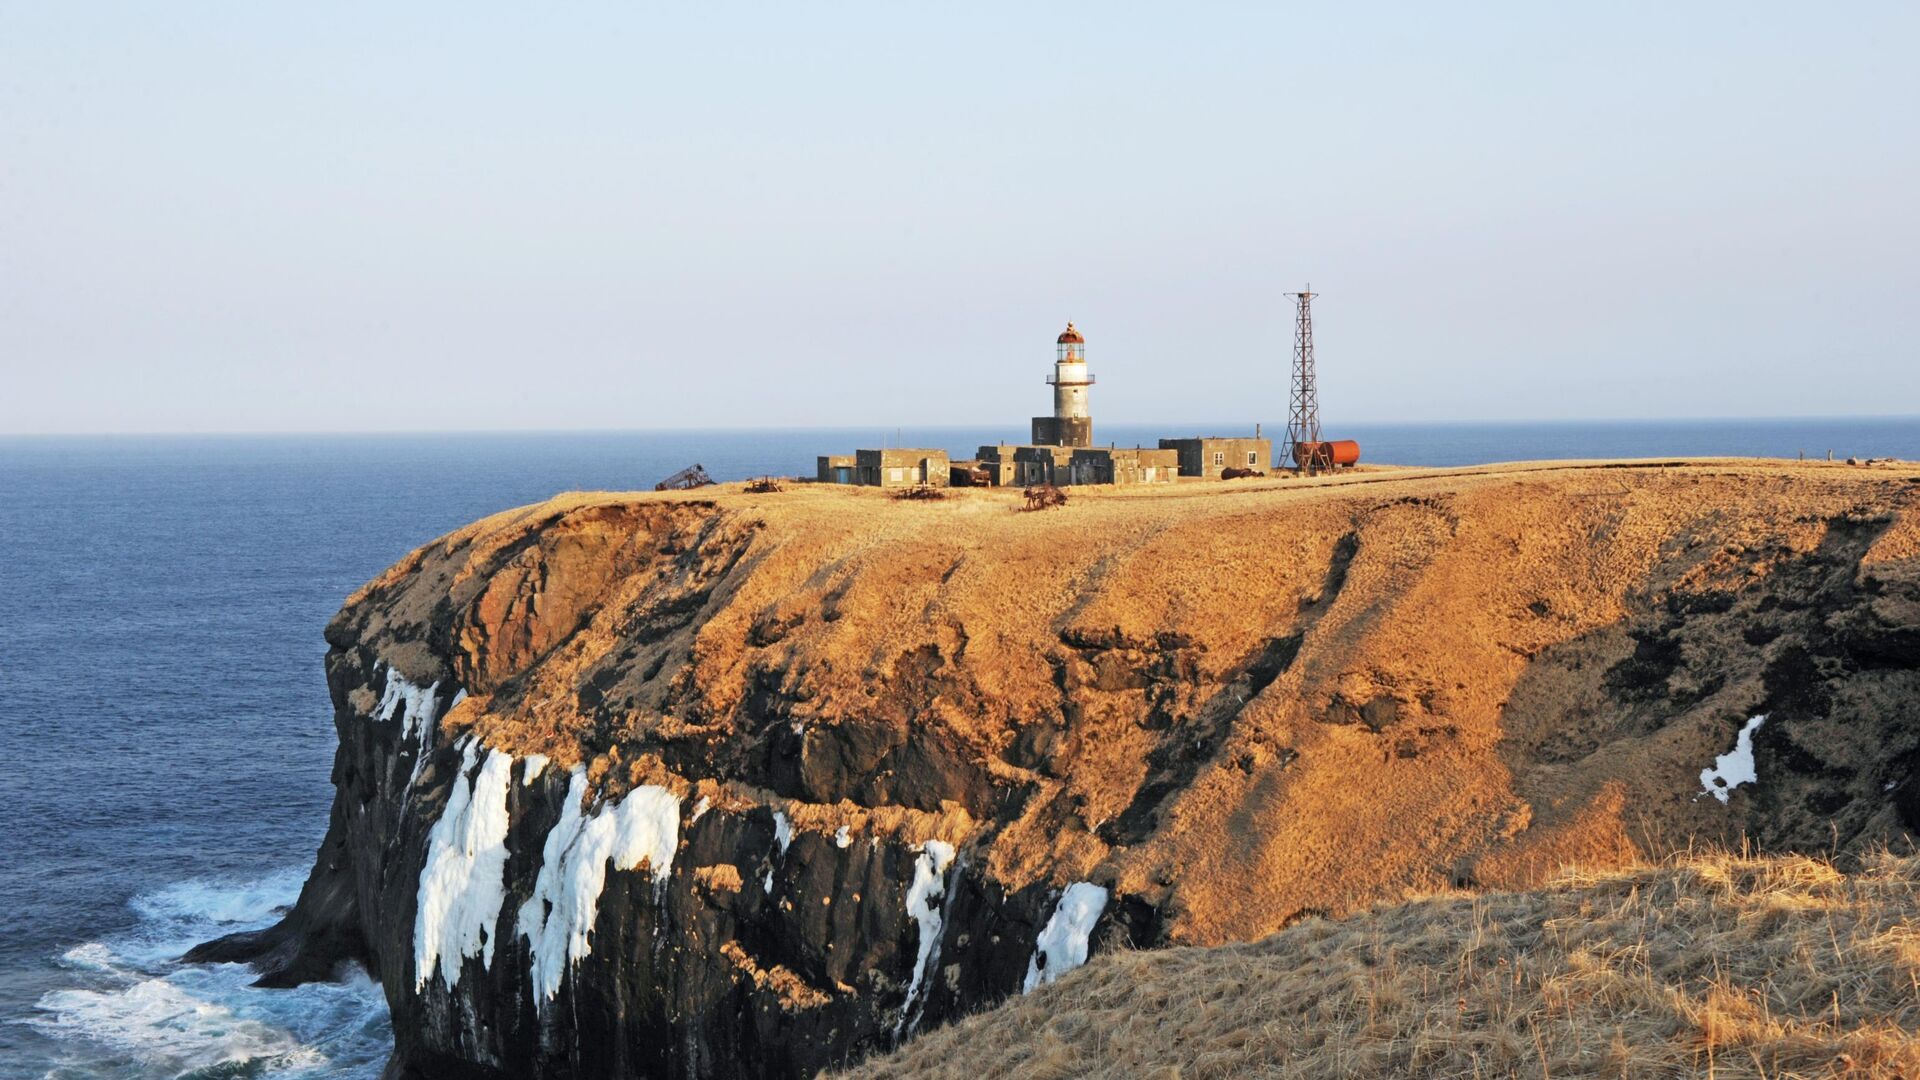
point(267, 217)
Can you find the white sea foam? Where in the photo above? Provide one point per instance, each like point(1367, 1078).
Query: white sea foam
point(133, 1002)
point(161, 1023)
point(923, 906)
point(557, 919)
point(1734, 767)
point(463, 882)
point(1063, 941)
point(199, 902)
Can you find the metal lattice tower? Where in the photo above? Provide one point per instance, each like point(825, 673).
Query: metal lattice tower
point(1303, 419)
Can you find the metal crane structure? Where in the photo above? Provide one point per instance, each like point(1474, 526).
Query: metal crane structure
point(1307, 450)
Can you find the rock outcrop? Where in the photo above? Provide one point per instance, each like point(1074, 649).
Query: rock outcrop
point(725, 784)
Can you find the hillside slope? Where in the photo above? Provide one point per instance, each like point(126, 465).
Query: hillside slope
point(1717, 966)
point(720, 783)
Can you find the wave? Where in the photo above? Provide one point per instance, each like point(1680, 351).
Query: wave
point(134, 1012)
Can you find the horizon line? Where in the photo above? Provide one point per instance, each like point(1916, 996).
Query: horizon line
point(948, 426)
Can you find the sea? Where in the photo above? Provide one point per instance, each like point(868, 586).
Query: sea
point(165, 733)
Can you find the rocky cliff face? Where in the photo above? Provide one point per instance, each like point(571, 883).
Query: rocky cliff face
point(721, 784)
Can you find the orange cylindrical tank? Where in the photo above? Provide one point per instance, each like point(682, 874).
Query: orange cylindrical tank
point(1342, 451)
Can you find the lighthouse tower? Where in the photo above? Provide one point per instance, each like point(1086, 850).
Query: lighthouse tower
point(1070, 424)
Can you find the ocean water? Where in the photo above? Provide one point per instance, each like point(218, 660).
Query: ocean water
point(165, 734)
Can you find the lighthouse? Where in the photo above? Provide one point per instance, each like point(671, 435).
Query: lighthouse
point(1070, 424)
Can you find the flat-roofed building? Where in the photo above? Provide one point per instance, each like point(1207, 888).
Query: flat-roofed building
point(1208, 456)
point(835, 469)
point(1026, 465)
point(901, 467)
point(1123, 465)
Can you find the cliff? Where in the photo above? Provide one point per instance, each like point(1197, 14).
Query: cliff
point(731, 784)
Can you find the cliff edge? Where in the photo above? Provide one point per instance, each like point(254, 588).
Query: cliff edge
point(728, 784)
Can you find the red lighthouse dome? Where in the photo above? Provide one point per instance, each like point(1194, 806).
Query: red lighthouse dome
point(1070, 336)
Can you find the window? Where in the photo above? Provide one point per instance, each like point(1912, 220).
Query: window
point(896, 475)
point(1250, 458)
point(1219, 457)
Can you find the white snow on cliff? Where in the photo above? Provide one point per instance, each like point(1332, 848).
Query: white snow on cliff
point(463, 882)
point(1734, 767)
point(557, 919)
point(923, 896)
point(415, 707)
point(1063, 941)
point(782, 831)
point(413, 704)
point(531, 767)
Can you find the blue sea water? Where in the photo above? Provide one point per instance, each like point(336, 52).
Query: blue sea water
point(165, 734)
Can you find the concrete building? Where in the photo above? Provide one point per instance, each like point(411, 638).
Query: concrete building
point(834, 469)
point(901, 467)
point(1123, 465)
point(1020, 466)
point(1207, 457)
point(1071, 424)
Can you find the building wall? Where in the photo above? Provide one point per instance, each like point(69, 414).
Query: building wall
point(834, 469)
point(998, 460)
point(1207, 457)
point(1070, 389)
point(1062, 431)
point(901, 467)
point(1113, 465)
point(1041, 465)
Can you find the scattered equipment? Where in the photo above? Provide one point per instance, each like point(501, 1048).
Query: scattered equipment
point(921, 492)
point(1231, 473)
point(692, 476)
point(763, 486)
point(1043, 496)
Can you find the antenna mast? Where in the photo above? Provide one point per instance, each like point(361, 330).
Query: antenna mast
point(1304, 445)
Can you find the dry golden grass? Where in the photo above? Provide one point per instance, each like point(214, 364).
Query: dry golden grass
point(1234, 702)
point(1721, 966)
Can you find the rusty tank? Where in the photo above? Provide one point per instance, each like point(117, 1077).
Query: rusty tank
point(1340, 452)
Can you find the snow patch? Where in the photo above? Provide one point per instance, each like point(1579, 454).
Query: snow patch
point(410, 702)
point(842, 837)
point(533, 765)
point(1063, 942)
point(557, 919)
point(463, 882)
point(415, 707)
point(929, 886)
point(700, 808)
point(782, 831)
point(1735, 767)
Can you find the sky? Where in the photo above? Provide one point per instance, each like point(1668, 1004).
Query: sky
point(435, 216)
